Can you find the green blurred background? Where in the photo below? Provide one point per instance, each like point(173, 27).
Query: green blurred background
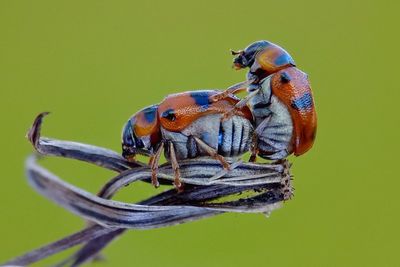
point(94, 63)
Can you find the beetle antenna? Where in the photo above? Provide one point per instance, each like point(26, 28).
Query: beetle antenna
point(234, 53)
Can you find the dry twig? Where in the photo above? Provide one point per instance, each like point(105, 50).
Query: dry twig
point(268, 186)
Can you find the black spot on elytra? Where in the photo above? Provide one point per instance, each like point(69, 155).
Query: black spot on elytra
point(285, 78)
point(169, 114)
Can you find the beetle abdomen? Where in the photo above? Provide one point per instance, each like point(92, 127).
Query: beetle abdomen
point(273, 122)
point(234, 136)
point(231, 138)
point(275, 138)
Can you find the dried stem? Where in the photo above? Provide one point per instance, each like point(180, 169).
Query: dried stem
point(203, 196)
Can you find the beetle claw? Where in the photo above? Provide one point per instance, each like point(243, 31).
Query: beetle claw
point(179, 186)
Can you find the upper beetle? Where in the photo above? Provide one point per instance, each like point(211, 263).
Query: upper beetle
point(290, 86)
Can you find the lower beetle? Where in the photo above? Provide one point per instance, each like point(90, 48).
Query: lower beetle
point(187, 125)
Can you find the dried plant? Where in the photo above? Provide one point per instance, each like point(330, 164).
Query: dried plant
point(248, 188)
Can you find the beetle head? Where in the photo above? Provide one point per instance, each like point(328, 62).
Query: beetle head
point(245, 58)
point(141, 134)
point(273, 57)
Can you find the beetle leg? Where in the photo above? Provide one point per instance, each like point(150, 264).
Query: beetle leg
point(175, 167)
point(246, 99)
point(261, 127)
point(213, 153)
point(257, 132)
point(253, 157)
point(232, 90)
point(153, 162)
point(224, 171)
point(254, 148)
point(239, 105)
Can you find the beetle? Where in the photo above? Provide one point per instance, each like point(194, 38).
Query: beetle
point(187, 125)
point(289, 86)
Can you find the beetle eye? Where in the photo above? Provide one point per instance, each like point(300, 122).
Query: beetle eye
point(139, 143)
point(169, 115)
point(244, 61)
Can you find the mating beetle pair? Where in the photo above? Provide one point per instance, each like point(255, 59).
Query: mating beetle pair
point(276, 118)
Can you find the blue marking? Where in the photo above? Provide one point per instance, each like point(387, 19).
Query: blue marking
point(304, 102)
point(150, 113)
point(201, 99)
point(220, 138)
point(284, 59)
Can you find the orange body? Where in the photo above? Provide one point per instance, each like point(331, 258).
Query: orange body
point(272, 59)
point(142, 132)
point(177, 111)
point(145, 121)
point(291, 86)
